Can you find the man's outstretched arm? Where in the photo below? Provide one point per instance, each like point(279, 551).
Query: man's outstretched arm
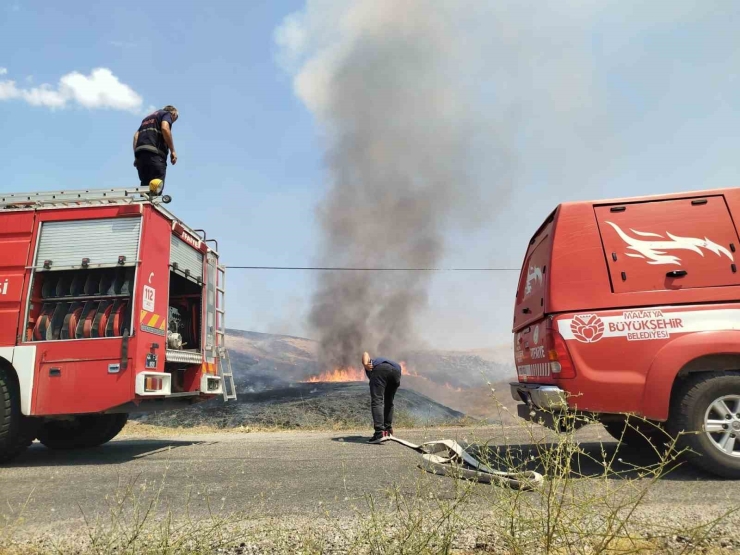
point(167, 134)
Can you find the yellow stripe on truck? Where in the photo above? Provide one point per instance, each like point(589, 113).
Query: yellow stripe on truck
point(154, 320)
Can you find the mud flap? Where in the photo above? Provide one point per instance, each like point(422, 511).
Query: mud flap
point(553, 420)
point(124, 350)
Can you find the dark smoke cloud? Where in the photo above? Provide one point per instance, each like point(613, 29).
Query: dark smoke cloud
point(394, 92)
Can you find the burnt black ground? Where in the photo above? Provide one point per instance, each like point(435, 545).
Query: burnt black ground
point(306, 406)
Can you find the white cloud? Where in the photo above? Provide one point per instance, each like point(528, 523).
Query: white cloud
point(3, 70)
point(43, 96)
point(8, 90)
point(99, 90)
point(291, 37)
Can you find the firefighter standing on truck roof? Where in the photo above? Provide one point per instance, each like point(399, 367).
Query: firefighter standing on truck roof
point(151, 144)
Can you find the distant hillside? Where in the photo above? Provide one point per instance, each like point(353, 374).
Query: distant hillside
point(455, 379)
point(263, 360)
point(271, 373)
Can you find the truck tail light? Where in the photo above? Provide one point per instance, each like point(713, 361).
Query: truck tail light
point(561, 364)
point(152, 384)
point(211, 385)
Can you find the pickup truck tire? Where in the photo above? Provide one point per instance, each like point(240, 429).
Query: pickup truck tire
point(82, 432)
point(16, 430)
point(636, 433)
point(700, 404)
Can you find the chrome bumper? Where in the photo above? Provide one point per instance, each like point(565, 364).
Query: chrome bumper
point(545, 397)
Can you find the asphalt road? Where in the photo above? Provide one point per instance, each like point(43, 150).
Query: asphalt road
point(287, 473)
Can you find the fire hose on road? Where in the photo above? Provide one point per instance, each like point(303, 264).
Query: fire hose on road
point(447, 458)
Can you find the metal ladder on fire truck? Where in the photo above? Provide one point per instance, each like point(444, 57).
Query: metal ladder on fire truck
point(223, 354)
point(77, 197)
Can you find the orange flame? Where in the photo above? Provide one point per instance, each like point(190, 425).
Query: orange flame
point(351, 374)
point(406, 372)
point(348, 374)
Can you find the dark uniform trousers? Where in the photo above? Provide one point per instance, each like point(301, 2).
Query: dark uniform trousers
point(384, 382)
point(150, 165)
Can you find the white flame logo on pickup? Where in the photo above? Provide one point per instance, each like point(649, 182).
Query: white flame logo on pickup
point(654, 250)
point(533, 274)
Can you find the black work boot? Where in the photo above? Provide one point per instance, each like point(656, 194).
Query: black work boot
point(377, 437)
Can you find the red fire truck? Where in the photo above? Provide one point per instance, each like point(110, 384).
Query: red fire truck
point(109, 305)
point(631, 307)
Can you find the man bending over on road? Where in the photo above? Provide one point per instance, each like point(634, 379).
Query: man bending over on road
point(151, 144)
point(385, 378)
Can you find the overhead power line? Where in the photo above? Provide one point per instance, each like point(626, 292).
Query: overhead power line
point(346, 269)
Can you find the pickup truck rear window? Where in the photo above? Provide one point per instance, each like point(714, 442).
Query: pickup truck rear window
point(530, 298)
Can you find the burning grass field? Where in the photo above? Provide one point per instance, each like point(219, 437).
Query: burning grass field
point(281, 386)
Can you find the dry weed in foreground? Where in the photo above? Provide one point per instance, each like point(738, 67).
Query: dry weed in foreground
point(591, 499)
point(588, 505)
point(592, 502)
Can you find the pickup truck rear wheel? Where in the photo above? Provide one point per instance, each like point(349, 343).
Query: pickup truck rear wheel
point(637, 433)
point(82, 432)
point(16, 430)
point(705, 414)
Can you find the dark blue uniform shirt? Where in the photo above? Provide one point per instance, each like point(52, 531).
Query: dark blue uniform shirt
point(380, 360)
point(150, 133)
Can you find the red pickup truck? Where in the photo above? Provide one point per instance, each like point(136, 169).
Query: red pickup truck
point(632, 307)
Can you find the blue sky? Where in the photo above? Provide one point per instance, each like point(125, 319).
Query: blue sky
point(615, 99)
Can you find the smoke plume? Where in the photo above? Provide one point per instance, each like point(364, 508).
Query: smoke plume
point(418, 148)
point(391, 85)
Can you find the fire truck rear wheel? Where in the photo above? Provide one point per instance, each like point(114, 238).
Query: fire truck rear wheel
point(705, 415)
point(83, 432)
point(16, 431)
